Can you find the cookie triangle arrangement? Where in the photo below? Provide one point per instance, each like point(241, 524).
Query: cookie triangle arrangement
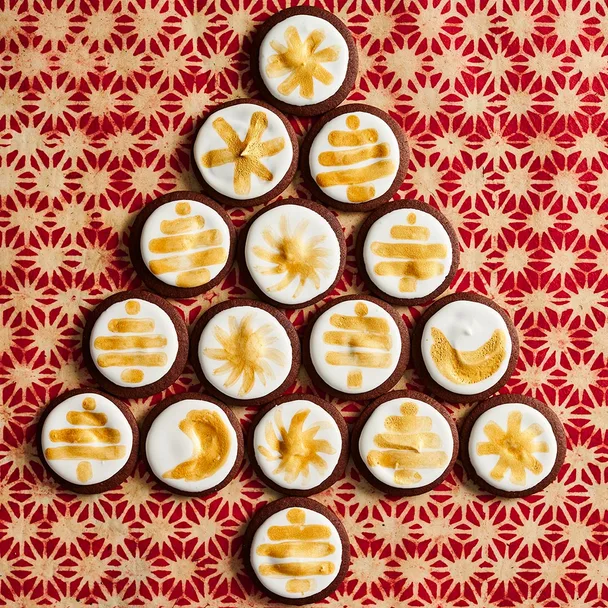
point(292, 254)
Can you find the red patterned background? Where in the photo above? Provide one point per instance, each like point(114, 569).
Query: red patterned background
point(504, 104)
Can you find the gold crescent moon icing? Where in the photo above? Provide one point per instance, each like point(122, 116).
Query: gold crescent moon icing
point(468, 366)
point(211, 444)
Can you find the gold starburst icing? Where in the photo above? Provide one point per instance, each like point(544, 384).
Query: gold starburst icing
point(246, 154)
point(296, 449)
point(301, 62)
point(293, 255)
point(246, 353)
point(514, 447)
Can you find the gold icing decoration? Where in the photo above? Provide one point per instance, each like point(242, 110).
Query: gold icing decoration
point(293, 255)
point(196, 249)
point(211, 445)
point(246, 353)
point(297, 540)
point(468, 366)
point(409, 444)
point(295, 448)
point(350, 148)
point(412, 261)
point(246, 154)
point(90, 429)
point(301, 62)
point(514, 447)
point(140, 349)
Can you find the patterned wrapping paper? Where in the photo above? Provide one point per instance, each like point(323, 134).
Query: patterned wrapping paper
point(504, 104)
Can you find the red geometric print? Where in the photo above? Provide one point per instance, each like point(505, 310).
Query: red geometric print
point(504, 105)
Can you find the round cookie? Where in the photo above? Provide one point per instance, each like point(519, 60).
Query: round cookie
point(356, 347)
point(298, 445)
point(354, 158)
point(512, 445)
point(245, 351)
point(407, 252)
point(292, 253)
point(465, 347)
point(182, 244)
point(87, 441)
point(405, 443)
point(135, 344)
point(304, 61)
point(245, 153)
point(296, 550)
point(192, 444)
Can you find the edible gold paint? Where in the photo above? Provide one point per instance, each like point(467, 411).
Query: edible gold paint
point(411, 233)
point(360, 194)
point(183, 208)
point(358, 175)
point(132, 307)
point(409, 251)
point(84, 471)
point(132, 359)
point(298, 585)
point(136, 326)
point(81, 452)
point(362, 359)
point(354, 379)
point(132, 376)
point(207, 257)
point(295, 549)
point(86, 418)
point(351, 157)
point(88, 403)
point(297, 569)
point(193, 278)
point(129, 342)
point(182, 224)
point(185, 242)
point(343, 139)
point(90, 435)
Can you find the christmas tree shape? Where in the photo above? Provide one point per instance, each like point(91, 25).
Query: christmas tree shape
point(411, 259)
point(353, 147)
point(404, 444)
point(87, 427)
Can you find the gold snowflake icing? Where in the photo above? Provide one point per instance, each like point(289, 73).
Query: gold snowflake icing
point(246, 353)
point(293, 255)
point(301, 62)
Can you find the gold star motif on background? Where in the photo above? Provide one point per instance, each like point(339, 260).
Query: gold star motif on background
point(301, 61)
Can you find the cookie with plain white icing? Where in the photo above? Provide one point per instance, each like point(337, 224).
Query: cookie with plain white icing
point(292, 253)
point(296, 550)
point(88, 441)
point(407, 252)
point(512, 445)
point(304, 61)
point(192, 444)
point(245, 153)
point(182, 244)
point(298, 445)
point(464, 347)
point(356, 347)
point(135, 344)
point(405, 443)
point(354, 158)
point(245, 351)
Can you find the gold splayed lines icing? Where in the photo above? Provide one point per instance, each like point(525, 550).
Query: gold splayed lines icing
point(296, 448)
point(88, 403)
point(132, 307)
point(293, 255)
point(422, 259)
point(84, 471)
point(297, 540)
point(246, 353)
point(301, 62)
point(514, 447)
point(246, 155)
point(183, 208)
point(211, 445)
point(468, 367)
point(408, 436)
point(362, 146)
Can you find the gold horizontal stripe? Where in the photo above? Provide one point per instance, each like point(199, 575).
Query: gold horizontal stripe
point(408, 424)
point(417, 270)
point(411, 233)
point(132, 359)
point(360, 175)
point(374, 324)
point(410, 251)
point(102, 435)
point(298, 585)
point(86, 418)
point(353, 138)
point(359, 359)
point(360, 194)
point(296, 549)
point(81, 452)
point(134, 326)
point(414, 441)
point(182, 224)
point(207, 257)
point(132, 376)
point(408, 459)
point(128, 342)
point(193, 278)
point(185, 242)
point(351, 157)
point(357, 340)
point(297, 569)
point(310, 532)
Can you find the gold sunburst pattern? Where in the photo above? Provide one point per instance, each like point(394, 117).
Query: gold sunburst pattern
point(293, 255)
point(246, 353)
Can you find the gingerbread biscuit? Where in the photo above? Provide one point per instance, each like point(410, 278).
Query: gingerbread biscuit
point(512, 445)
point(292, 253)
point(464, 347)
point(87, 441)
point(407, 252)
point(304, 61)
point(135, 344)
point(245, 153)
point(354, 158)
point(182, 244)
